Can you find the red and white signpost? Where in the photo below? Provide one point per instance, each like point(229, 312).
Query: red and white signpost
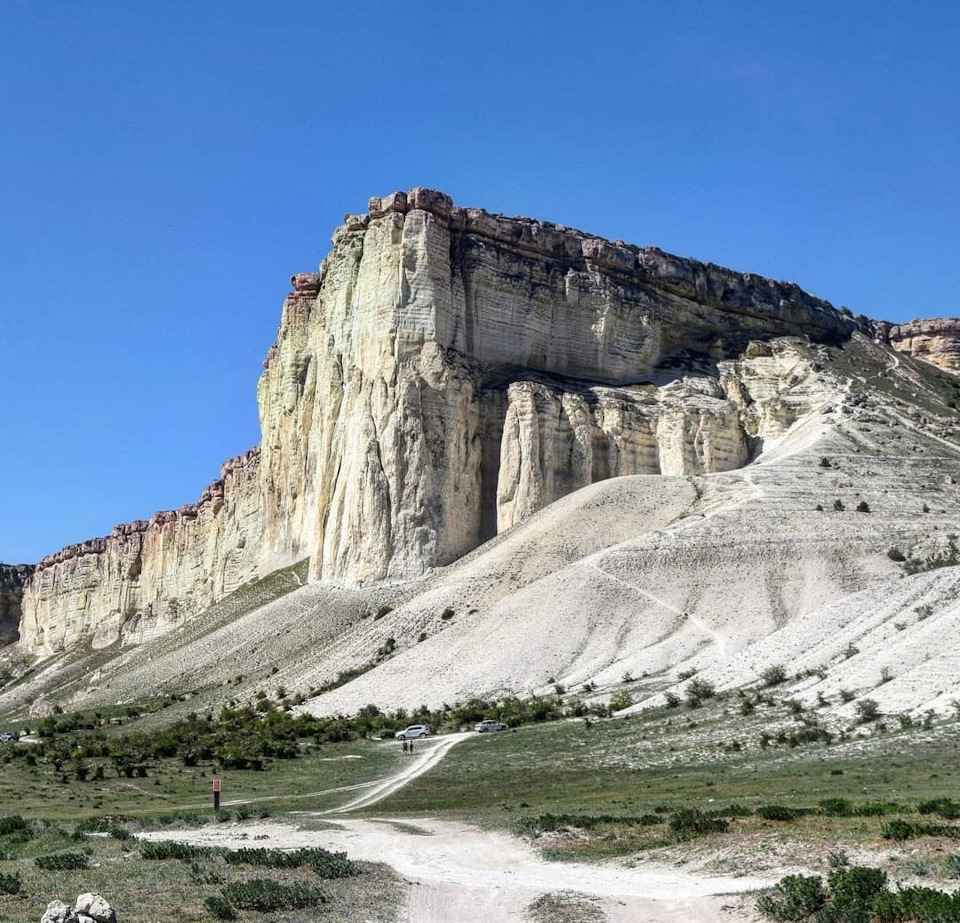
point(216, 794)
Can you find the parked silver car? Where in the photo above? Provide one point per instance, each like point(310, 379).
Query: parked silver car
point(413, 731)
point(488, 724)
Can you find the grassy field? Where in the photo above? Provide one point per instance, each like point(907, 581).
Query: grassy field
point(289, 785)
point(670, 760)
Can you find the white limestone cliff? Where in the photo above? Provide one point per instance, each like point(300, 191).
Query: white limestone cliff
point(445, 374)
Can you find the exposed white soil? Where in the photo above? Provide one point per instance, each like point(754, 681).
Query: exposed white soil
point(458, 873)
point(461, 874)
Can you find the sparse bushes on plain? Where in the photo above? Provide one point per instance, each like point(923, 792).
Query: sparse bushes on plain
point(774, 675)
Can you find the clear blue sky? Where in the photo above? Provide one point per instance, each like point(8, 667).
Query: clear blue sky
point(164, 168)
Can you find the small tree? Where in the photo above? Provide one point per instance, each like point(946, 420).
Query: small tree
point(863, 507)
point(838, 506)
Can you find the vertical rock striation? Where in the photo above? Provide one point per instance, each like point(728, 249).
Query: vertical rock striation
point(446, 373)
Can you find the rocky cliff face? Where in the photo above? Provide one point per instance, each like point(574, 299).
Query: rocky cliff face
point(936, 340)
point(445, 374)
point(12, 579)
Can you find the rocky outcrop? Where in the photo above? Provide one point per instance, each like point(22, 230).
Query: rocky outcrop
point(148, 575)
point(12, 579)
point(444, 374)
point(90, 908)
point(936, 340)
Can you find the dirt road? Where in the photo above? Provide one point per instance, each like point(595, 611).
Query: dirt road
point(462, 874)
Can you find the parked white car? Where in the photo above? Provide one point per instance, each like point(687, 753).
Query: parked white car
point(488, 724)
point(414, 731)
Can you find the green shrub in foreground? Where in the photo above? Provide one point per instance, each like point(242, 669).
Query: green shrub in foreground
point(326, 864)
point(856, 895)
point(10, 884)
point(265, 895)
point(62, 861)
point(219, 907)
point(795, 897)
point(171, 849)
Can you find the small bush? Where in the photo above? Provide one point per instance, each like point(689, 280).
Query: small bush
point(13, 823)
point(697, 690)
point(867, 710)
point(62, 861)
point(219, 907)
point(171, 849)
point(946, 808)
point(326, 864)
point(619, 701)
point(796, 897)
point(863, 507)
point(838, 506)
point(895, 554)
point(672, 699)
point(447, 614)
point(776, 812)
point(691, 822)
point(774, 675)
point(951, 867)
point(265, 895)
point(10, 884)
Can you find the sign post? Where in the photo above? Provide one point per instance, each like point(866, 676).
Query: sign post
point(216, 793)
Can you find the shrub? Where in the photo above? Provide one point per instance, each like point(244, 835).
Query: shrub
point(265, 895)
point(62, 861)
point(324, 863)
point(774, 675)
point(946, 808)
point(381, 612)
point(697, 690)
point(10, 884)
point(825, 462)
point(863, 507)
point(171, 849)
point(776, 812)
point(219, 907)
point(838, 506)
point(951, 867)
point(673, 700)
point(690, 822)
point(867, 710)
point(447, 614)
point(13, 823)
point(797, 898)
point(619, 701)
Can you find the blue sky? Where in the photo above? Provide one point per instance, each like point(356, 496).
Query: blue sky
point(165, 167)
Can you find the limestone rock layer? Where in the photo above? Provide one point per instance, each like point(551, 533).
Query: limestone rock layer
point(936, 340)
point(445, 374)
